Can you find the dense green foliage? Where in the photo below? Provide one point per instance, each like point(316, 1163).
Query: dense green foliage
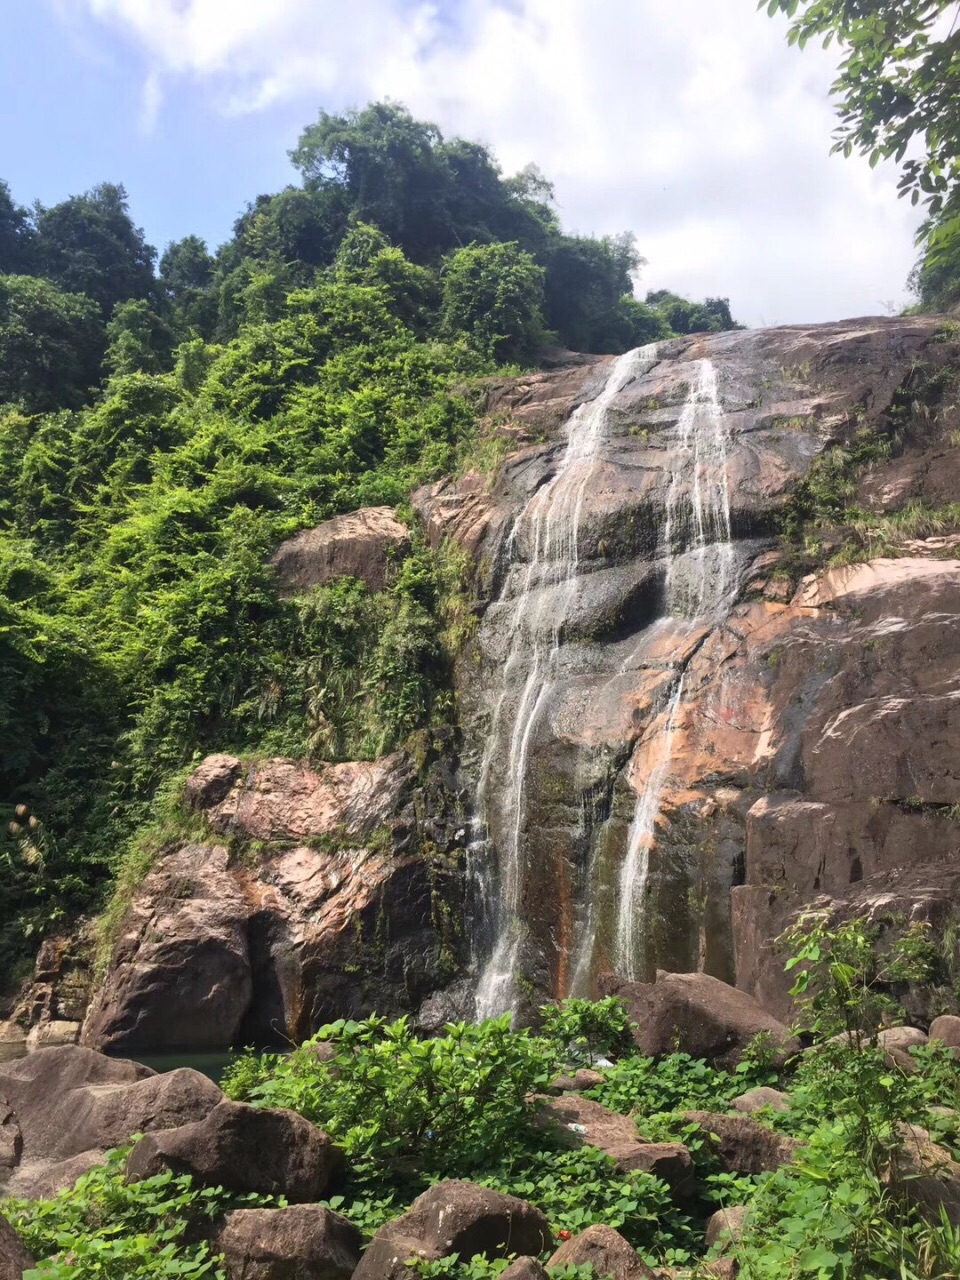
point(411, 1111)
point(161, 434)
point(103, 1228)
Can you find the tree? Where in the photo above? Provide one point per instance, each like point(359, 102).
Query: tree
point(51, 344)
point(186, 284)
point(896, 87)
point(389, 165)
point(895, 83)
point(17, 236)
point(139, 341)
point(89, 244)
point(493, 293)
point(684, 316)
point(586, 279)
point(366, 257)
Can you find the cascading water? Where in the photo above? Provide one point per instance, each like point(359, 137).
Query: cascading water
point(700, 582)
point(551, 523)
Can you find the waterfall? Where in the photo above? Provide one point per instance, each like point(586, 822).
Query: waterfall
point(636, 865)
point(550, 522)
point(701, 576)
point(701, 581)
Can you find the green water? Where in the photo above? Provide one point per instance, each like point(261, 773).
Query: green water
point(209, 1064)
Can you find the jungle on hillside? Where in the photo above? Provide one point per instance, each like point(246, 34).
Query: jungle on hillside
point(164, 425)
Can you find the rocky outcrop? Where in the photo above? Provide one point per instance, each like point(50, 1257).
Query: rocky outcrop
point(302, 1242)
point(762, 1098)
point(454, 1217)
point(50, 1007)
point(363, 544)
point(925, 1174)
point(71, 1104)
point(267, 1150)
point(696, 1014)
point(337, 914)
point(525, 1269)
point(946, 1029)
point(725, 1227)
point(742, 1145)
point(791, 739)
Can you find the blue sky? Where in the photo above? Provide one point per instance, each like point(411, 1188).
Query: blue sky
point(73, 115)
point(688, 122)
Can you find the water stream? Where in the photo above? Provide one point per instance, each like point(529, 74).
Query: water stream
point(549, 525)
point(701, 581)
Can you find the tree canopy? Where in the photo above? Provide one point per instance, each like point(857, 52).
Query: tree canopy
point(161, 433)
point(898, 92)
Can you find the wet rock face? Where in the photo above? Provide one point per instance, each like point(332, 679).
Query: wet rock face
point(806, 725)
point(361, 544)
point(338, 915)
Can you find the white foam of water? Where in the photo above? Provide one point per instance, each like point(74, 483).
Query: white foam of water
point(551, 520)
point(635, 871)
point(700, 582)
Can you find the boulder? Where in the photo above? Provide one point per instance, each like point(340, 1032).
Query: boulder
point(726, 1224)
point(242, 1148)
point(579, 1082)
point(946, 1029)
point(606, 1251)
point(902, 1038)
point(454, 1217)
point(743, 1145)
point(582, 1121)
point(302, 1242)
point(43, 1179)
point(757, 1099)
point(720, 1269)
point(696, 1014)
point(11, 1139)
point(926, 1174)
point(525, 1269)
point(216, 951)
point(14, 1259)
point(180, 975)
point(106, 1115)
point(70, 1100)
point(46, 1035)
point(362, 544)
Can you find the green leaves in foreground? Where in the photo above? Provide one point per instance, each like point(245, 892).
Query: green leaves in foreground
point(104, 1229)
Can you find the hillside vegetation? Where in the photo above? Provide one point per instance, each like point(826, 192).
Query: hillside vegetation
point(162, 429)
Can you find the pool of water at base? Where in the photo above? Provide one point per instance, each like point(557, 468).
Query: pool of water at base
point(212, 1065)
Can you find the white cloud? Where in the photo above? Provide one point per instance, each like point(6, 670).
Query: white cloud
point(689, 122)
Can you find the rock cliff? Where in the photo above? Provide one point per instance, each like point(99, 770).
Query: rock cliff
point(307, 896)
point(751, 741)
point(677, 726)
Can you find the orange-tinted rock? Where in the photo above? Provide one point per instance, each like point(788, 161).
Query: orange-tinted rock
point(216, 951)
point(361, 544)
